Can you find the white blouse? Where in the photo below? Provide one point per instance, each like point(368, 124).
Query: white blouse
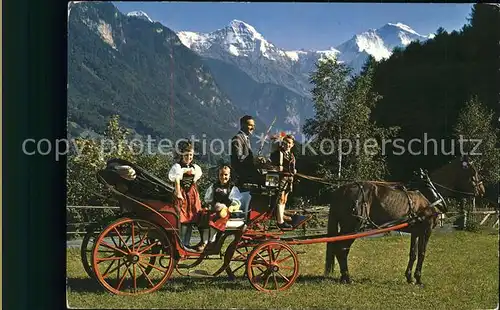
point(176, 172)
point(234, 195)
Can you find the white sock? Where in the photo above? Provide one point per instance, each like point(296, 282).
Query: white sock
point(279, 214)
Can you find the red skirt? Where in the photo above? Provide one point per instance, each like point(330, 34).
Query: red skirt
point(213, 219)
point(191, 206)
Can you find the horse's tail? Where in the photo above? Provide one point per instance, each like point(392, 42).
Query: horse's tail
point(333, 230)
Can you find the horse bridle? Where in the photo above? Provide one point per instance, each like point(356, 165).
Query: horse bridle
point(440, 200)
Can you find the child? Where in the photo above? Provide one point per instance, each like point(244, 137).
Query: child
point(224, 198)
point(185, 174)
point(284, 159)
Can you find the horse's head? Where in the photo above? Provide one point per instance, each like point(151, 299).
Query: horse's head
point(424, 184)
point(459, 178)
point(470, 180)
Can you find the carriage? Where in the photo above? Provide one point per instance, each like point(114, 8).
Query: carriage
point(137, 251)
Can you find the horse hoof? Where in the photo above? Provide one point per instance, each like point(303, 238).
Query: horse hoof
point(409, 279)
point(345, 281)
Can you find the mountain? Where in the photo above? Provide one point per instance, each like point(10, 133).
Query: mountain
point(263, 100)
point(141, 15)
point(242, 45)
point(378, 43)
point(139, 69)
point(268, 81)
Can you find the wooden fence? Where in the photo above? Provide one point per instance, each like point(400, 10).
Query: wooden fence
point(317, 212)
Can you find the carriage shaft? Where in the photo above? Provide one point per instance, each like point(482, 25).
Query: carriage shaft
point(321, 239)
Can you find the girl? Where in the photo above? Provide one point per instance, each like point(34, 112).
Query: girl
point(224, 198)
point(185, 174)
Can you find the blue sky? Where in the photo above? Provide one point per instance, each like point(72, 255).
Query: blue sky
point(303, 25)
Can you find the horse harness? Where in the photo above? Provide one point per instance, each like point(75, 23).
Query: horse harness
point(360, 208)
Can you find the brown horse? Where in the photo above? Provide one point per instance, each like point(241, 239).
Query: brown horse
point(377, 204)
point(458, 179)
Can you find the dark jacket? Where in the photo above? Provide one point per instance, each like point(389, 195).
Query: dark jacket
point(242, 160)
point(288, 162)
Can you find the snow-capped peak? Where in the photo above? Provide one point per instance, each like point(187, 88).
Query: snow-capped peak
point(404, 27)
point(240, 27)
point(188, 38)
point(295, 55)
point(332, 51)
point(141, 15)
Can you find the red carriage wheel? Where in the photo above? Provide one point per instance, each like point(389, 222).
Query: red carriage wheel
point(272, 266)
point(132, 256)
point(88, 243)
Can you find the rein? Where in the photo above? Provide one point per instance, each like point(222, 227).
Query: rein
point(325, 181)
point(454, 191)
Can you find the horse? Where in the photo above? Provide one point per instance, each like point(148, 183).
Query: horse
point(458, 179)
point(360, 204)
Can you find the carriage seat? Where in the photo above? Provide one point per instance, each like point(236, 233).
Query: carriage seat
point(235, 223)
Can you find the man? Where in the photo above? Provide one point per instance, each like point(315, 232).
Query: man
point(242, 159)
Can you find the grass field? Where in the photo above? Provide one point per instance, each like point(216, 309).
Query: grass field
point(460, 272)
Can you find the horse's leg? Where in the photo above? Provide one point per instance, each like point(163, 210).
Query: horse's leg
point(422, 245)
point(331, 246)
point(343, 249)
point(413, 256)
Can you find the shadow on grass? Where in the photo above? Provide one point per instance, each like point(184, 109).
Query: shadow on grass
point(181, 284)
point(177, 284)
point(310, 279)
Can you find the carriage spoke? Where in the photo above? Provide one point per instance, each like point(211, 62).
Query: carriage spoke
point(265, 262)
point(242, 265)
point(146, 248)
point(108, 272)
point(102, 251)
point(275, 281)
point(100, 260)
point(155, 255)
point(267, 278)
point(104, 243)
point(270, 253)
point(123, 278)
point(145, 275)
point(109, 267)
point(118, 273)
point(284, 259)
point(142, 239)
point(121, 238)
point(286, 279)
point(277, 255)
point(133, 232)
point(155, 267)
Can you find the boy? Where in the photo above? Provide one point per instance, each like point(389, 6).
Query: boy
point(284, 159)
